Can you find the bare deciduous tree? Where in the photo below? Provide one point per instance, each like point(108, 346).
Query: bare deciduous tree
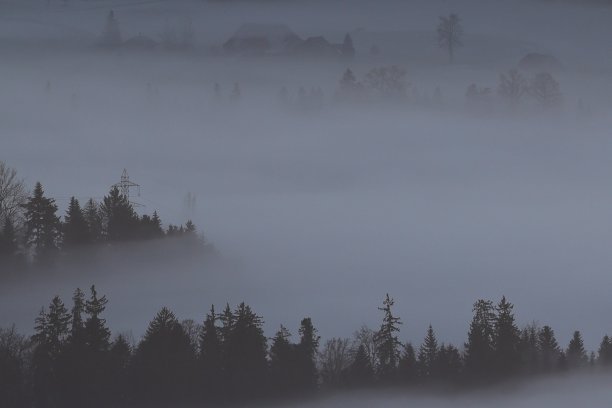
point(450, 33)
point(387, 82)
point(12, 194)
point(512, 86)
point(334, 360)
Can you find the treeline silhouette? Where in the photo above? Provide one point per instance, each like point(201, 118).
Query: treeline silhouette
point(34, 235)
point(71, 360)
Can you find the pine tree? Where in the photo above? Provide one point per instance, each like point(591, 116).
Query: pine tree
point(164, 362)
point(387, 343)
point(246, 350)
point(506, 339)
point(282, 363)
point(576, 354)
point(306, 351)
point(75, 228)
point(479, 347)
point(93, 219)
point(119, 218)
point(448, 363)
point(428, 353)
point(549, 349)
point(78, 310)
point(42, 226)
point(97, 335)
point(211, 358)
point(529, 348)
point(605, 352)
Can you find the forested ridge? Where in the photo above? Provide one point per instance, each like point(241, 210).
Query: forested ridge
point(73, 360)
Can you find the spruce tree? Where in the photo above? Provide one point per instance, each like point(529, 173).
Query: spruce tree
point(97, 335)
point(575, 353)
point(604, 357)
point(164, 362)
point(119, 218)
point(550, 352)
point(448, 363)
point(479, 347)
point(428, 354)
point(42, 226)
point(282, 363)
point(93, 219)
point(387, 343)
point(307, 351)
point(506, 340)
point(211, 358)
point(75, 227)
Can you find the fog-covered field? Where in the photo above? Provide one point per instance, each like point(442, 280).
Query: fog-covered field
point(321, 212)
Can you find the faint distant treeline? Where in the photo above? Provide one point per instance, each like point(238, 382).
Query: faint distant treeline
point(71, 360)
point(32, 234)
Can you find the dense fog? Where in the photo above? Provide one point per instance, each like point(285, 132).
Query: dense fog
point(320, 212)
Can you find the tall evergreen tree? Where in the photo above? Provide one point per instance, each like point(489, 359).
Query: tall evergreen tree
point(479, 347)
point(604, 357)
point(119, 218)
point(428, 354)
point(163, 363)
point(93, 219)
point(576, 354)
point(448, 363)
point(550, 352)
point(246, 349)
point(307, 350)
point(75, 227)
point(506, 339)
point(42, 226)
point(283, 363)
point(211, 358)
point(388, 345)
point(97, 335)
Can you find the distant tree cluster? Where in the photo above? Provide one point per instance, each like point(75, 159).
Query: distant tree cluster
point(515, 90)
point(382, 84)
point(73, 361)
point(32, 232)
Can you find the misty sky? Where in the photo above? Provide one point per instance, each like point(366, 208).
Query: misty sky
point(322, 213)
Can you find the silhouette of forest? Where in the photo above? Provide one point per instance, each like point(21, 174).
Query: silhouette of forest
point(72, 359)
point(33, 236)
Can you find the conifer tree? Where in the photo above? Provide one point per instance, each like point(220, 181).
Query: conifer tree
point(604, 357)
point(575, 353)
point(42, 226)
point(119, 218)
point(163, 362)
point(387, 343)
point(529, 348)
point(307, 350)
point(97, 335)
point(93, 219)
point(428, 354)
point(479, 347)
point(246, 349)
point(448, 363)
point(549, 349)
point(282, 362)
point(75, 228)
point(210, 359)
point(506, 339)
point(9, 248)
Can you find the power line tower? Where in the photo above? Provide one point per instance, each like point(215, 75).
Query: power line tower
point(125, 185)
